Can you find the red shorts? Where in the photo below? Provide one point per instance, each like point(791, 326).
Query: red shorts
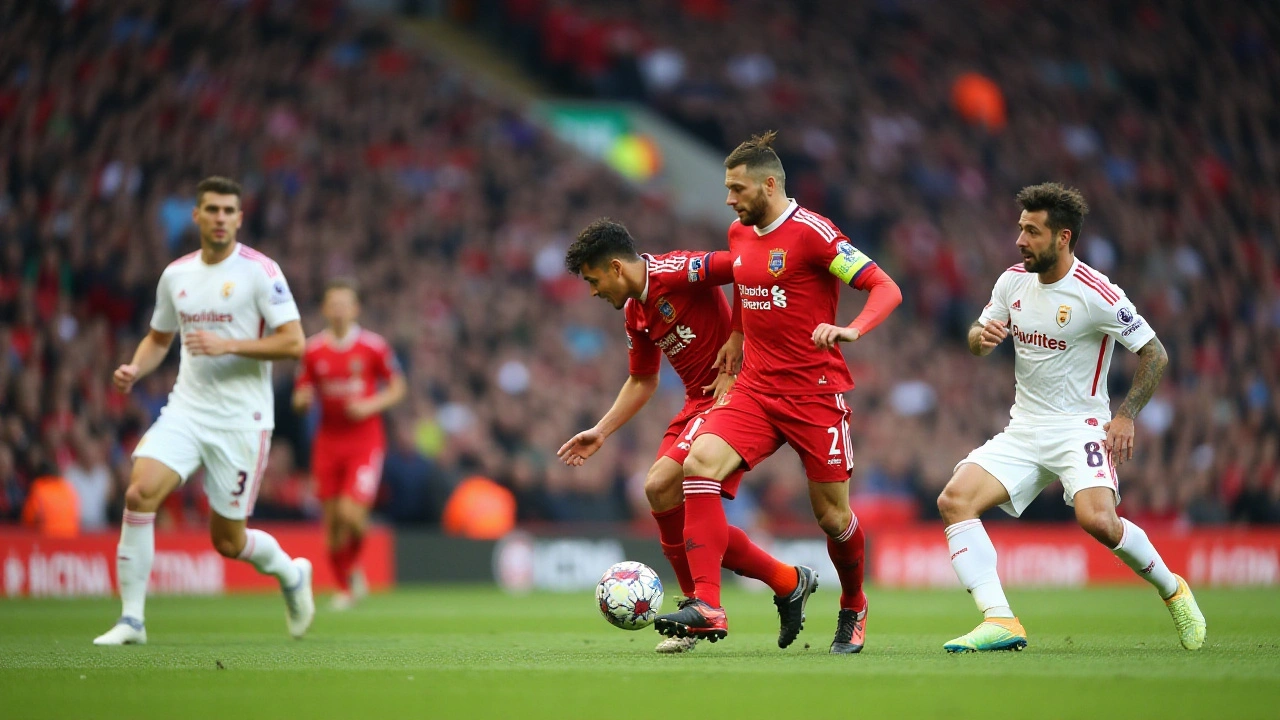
point(756, 425)
point(679, 436)
point(351, 470)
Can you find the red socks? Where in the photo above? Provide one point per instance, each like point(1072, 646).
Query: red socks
point(343, 561)
point(741, 555)
point(706, 534)
point(846, 554)
point(671, 535)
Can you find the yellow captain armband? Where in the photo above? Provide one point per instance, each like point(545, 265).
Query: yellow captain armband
point(848, 262)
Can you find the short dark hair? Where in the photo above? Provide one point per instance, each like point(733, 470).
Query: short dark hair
point(1066, 207)
point(759, 157)
point(598, 243)
point(219, 185)
point(342, 283)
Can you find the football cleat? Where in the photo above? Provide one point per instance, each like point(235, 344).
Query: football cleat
point(696, 619)
point(791, 607)
point(300, 604)
point(851, 632)
point(127, 631)
point(1187, 617)
point(674, 645)
point(991, 634)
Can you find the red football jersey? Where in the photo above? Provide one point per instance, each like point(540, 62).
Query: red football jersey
point(787, 280)
point(682, 313)
point(344, 370)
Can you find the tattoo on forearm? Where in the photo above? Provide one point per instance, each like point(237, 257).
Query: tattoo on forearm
point(1152, 359)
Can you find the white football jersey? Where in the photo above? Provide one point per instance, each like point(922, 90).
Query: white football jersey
point(242, 297)
point(1064, 335)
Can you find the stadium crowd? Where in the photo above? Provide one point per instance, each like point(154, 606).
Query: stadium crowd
point(364, 155)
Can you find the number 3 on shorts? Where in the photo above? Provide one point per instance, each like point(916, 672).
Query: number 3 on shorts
point(241, 478)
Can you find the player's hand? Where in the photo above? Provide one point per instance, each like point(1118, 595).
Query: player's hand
point(302, 398)
point(358, 410)
point(203, 342)
point(1119, 439)
point(993, 333)
point(722, 383)
point(124, 377)
point(580, 447)
point(729, 357)
point(826, 335)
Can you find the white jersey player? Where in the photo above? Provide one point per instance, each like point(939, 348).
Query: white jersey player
point(1064, 319)
point(234, 310)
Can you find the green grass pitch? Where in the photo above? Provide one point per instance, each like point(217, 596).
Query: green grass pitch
point(476, 653)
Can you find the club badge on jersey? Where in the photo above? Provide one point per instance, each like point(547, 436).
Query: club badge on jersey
point(668, 312)
point(777, 261)
point(1064, 315)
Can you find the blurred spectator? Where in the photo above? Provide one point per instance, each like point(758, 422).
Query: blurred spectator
point(91, 478)
point(51, 508)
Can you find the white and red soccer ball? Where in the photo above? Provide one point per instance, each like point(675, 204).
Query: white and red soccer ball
point(629, 595)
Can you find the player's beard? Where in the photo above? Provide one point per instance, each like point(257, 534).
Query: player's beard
point(1041, 263)
point(755, 210)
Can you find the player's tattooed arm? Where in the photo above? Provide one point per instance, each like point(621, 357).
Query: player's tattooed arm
point(1152, 359)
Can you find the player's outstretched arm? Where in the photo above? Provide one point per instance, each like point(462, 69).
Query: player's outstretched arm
point(1152, 360)
point(984, 338)
point(287, 343)
point(146, 359)
point(635, 392)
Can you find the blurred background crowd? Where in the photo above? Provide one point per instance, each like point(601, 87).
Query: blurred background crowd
point(364, 154)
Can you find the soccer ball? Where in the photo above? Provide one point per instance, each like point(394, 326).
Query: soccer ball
point(629, 595)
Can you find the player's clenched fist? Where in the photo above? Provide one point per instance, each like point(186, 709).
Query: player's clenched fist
point(580, 447)
point(124, 377)
point(993, 333)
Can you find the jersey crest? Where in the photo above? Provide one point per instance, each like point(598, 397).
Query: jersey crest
point(777, 261)
point(227, 288)
point(668, 312)
point(1064, 315)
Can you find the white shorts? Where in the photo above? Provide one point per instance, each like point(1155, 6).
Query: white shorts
point(233, 460)
point(1027, 458)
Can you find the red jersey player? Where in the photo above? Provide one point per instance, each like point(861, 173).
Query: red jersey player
point(673, 305)
point(344, 365)
point(788, 266)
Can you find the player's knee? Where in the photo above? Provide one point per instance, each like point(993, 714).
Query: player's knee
point(952, 505)
point(663, 490)
point(1104, 526)
point(833, 520)
point(141, 496)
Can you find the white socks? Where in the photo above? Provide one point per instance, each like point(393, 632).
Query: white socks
point(974, 559)
point(1136, 550)
point(264, 553)
point(134, 555)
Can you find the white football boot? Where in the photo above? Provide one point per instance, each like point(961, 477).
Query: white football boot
point(300, 604)
point(127, 631)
